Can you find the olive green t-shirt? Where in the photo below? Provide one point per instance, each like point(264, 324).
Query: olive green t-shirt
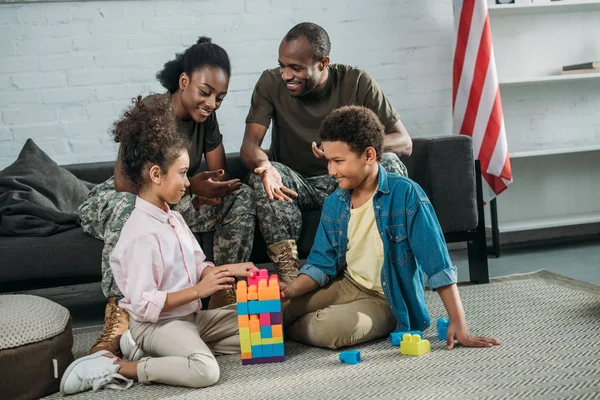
point(296, 121)
point(203, 137)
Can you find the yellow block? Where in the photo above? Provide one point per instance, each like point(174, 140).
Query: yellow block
point(273, 340)
point(246, 346)
point(244, 333)
point(255, 338)
point(413, 345)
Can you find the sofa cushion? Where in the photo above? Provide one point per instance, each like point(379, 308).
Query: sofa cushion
point(37, 197)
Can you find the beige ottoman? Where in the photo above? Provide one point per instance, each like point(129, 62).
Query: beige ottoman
point(35, 346)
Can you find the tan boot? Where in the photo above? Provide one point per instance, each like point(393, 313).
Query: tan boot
point(284, 255)
point(116, 322)
point(222, 298)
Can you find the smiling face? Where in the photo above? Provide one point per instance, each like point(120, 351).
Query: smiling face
point(170, 187)
point(298, 68)
point(349, 169)
point(203, 94)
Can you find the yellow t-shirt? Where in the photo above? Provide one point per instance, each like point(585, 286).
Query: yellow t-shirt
point(365, 248)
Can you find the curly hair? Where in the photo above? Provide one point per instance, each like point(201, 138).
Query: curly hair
point(148, 136)
point(357, 126)
point(201, 55)
point(316, 36)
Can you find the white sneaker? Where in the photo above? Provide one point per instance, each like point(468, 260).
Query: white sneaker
point(93, 372)
point(131, 351)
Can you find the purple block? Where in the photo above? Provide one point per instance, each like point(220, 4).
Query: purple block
point(262, 360)
point(276, 318)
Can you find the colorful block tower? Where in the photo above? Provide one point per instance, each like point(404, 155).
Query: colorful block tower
point(259, 319)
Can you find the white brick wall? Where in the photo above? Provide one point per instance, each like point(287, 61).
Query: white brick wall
point(68, 69)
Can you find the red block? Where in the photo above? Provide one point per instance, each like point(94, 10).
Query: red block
point(265, 319)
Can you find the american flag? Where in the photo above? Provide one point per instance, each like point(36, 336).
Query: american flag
point(476, 104)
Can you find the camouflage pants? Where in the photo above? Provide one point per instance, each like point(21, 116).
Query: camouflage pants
point(279, 220)
point(105, 211)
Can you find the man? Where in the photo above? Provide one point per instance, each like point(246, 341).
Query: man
point(297, 97)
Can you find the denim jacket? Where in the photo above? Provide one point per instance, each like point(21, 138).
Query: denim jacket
point(413, 244)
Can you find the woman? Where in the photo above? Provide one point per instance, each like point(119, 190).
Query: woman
point(196, 81)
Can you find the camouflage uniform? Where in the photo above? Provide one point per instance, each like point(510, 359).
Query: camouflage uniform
point(105, 211)
point(282, 221)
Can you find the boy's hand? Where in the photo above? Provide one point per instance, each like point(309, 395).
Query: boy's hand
point(241, 270)
point(459, 331)
point(287, 291)
point(317, 151)
point(213, 282)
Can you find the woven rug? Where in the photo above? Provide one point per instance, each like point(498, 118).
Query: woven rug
point(550, 331)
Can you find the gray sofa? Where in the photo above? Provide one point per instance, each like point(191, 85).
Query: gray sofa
point(443, 166)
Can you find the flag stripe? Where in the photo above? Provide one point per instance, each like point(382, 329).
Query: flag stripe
point(476, 102)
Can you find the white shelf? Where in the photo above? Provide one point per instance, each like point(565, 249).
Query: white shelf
point(550, 152)
point(544, 8)
point(548, 222)
point(550, 78)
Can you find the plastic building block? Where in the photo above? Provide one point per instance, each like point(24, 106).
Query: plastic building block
point(259, 319)
point(413, 345)
point(242, 308)
point(257, 351)
point(265, 332)
point(264, 360)
point(396, 337)
point(276, 318)
point(265, 319)
point(350, 357)
point(442, 328)
point(278, 350)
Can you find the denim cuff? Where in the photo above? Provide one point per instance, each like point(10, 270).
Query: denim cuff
point(315, 273)
point(445, 277)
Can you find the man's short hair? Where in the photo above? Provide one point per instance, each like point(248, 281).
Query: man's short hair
point(317, 38)
point(357, 126)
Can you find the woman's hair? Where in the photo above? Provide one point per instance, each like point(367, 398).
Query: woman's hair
point(357, 126)
point(148, 136)
point(201, 55)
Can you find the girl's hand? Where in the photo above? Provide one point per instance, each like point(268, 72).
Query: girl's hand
point(213, 282)
point(241, 270)
point(459, 331)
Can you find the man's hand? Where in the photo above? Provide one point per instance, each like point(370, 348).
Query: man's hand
point(459, 331)
point(318, 151)
point(213, 282)
point(198, 201)
point(204, 184)
point(273, 184)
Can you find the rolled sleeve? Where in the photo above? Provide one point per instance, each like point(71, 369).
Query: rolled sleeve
point(261, 107)
point(154, 303)
point(443, 278)
point(315, 273)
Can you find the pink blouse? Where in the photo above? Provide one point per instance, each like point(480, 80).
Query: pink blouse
point(156, 254)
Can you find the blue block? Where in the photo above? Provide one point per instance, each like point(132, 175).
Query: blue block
point(442, 328)
point(265, 332)
point(264, 306)
point(267, 350)
point(396, 337)
point(257, 351)
point(278, 350)
point(242, 308)
point(350, 357)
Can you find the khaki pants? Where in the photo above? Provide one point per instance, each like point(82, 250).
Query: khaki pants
point(343, 313)
point(180, 349)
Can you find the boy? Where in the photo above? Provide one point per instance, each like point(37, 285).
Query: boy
point(377, 236)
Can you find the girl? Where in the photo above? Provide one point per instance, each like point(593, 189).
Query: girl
point(160, 269)
point(196, 82)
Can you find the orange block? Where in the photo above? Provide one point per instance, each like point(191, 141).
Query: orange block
point(246, 356)
point(243, 321)
point(254, 324)
point(277, 331)
point(252, 293)
point(241, 293)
